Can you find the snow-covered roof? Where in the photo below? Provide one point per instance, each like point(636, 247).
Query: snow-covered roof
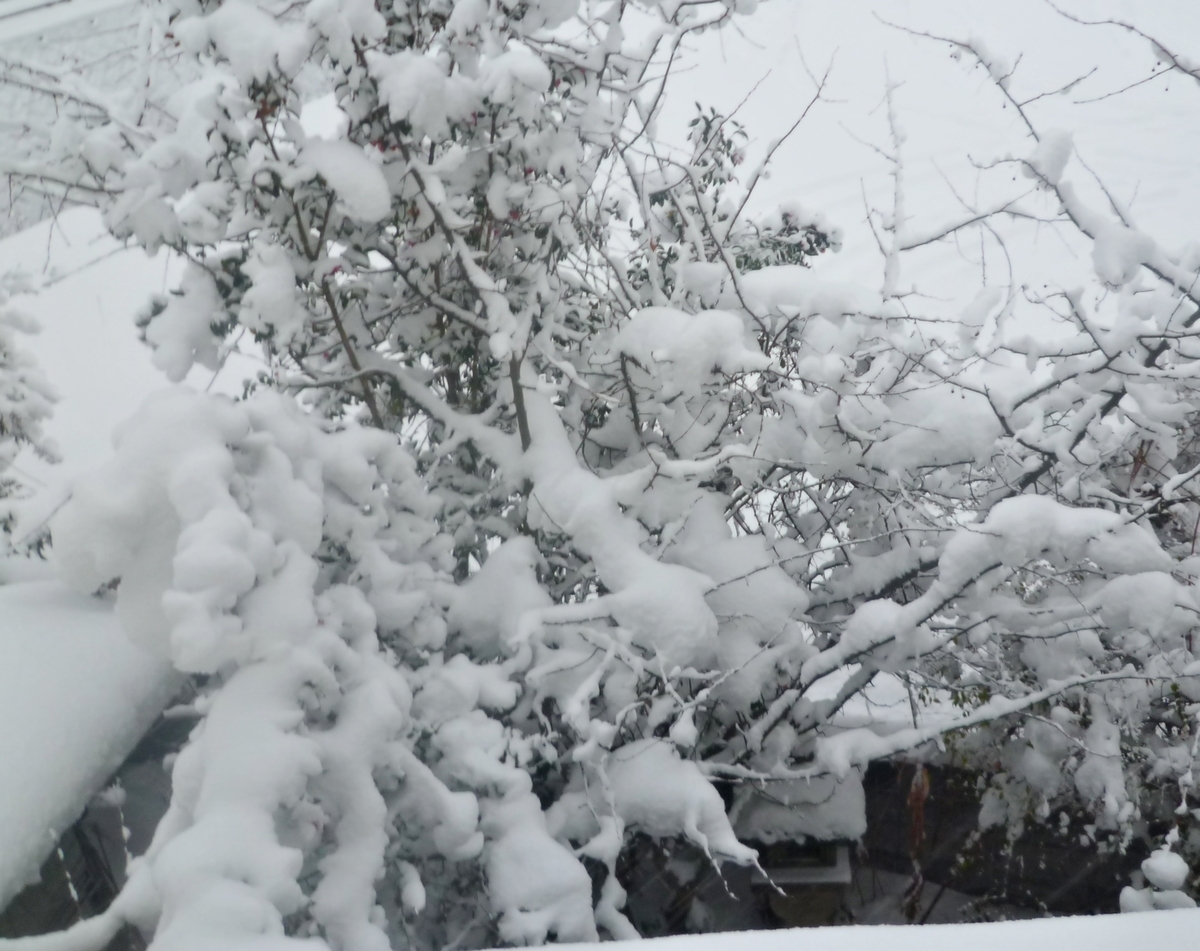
point(71, 683)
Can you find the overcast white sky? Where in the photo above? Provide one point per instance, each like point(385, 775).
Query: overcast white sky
point(1145, 143)
point(940, 100)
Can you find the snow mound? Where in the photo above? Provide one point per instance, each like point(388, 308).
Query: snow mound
point(1165, 869)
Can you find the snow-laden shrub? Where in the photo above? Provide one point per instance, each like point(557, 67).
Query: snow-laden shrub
point(332, 778)
point(570, 494)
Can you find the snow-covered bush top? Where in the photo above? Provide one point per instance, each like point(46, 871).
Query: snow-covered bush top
point(572, 499)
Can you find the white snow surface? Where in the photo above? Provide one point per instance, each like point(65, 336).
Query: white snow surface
point(357, 180)
point(71, 683)
point(1168, 931)
point(1166, 870)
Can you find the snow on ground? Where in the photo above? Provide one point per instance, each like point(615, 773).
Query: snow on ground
point(75, 697)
